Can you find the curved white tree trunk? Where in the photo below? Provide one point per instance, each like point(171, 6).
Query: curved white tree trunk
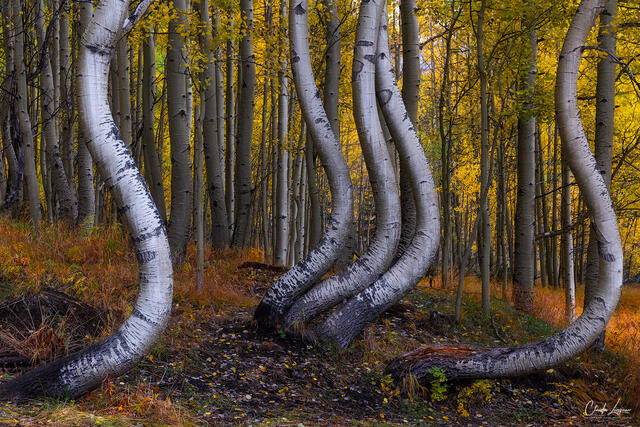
point(348, 321)
point(410, 96)
point(605, 118)
point(305, 273)
point(381, 251)
point(82, 371)
point(525, 359)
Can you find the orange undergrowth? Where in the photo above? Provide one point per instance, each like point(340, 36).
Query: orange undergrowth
point(98, 265)
point(623, 330)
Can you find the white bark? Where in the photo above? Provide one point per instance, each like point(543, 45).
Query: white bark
point(153, 169)
point(381, 250)
point(305, 273)
point(524, 256)
point(410, 96)
point(86, 193)
point(281, 243)
point(211, 142)
point(246, 103)
point(66, 197)
point(544, 354)
point(348, 321)
point(230, 132)
point(566, 249)
point(484, 235)
point(605, 116)
point(179, 134)
point(82, 371)
point(30, 175)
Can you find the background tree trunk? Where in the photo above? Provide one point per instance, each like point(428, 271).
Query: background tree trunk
point(485, 224)
point(179, 135)
point(525, 254)
point(211, 142)
point(244, 137)
point(30, 175)
point(152, 165)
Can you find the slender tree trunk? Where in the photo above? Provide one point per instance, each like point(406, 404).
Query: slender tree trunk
point(445, 144)
point(30, 175)
point(246, 104)
point(64, 195)
point(331, 98)
point(410, 96)
point(605, 108)
point(211, 142)
point(67, 133)
point(152, 165)
point(229, 114)
point(263, 175)
point(485, 224)
point(179, 134)
point(124, 86)
point(80, 372)
point(566, 249)
point(198, 184)
point(315, 221)
point(464, 261)
point(282, 195)
point(86, 192)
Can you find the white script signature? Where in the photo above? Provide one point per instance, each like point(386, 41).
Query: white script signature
point(594, 409)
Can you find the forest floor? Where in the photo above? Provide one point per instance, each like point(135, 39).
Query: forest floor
point(212, 367)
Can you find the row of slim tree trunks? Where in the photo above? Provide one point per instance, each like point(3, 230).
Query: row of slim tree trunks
point(281, 204)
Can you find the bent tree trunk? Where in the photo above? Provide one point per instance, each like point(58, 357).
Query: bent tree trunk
point(305, 273)
point(410, 96)
point(347, 322)
point(525, 359)
point(605, 116)
point(380, 253)
point(80, 372)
